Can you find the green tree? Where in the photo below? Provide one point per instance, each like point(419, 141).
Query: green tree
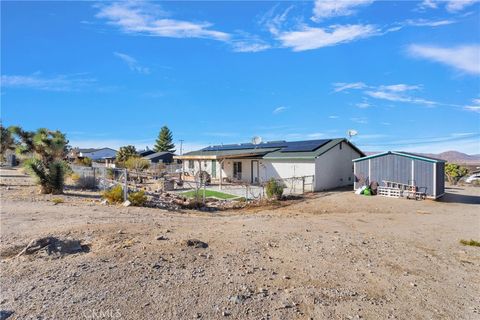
point(6, 141)
point(47, 149)
point(126, 152)
point(164, 141)
point(454, 172)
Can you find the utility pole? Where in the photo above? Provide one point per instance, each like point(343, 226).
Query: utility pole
point(181, 146)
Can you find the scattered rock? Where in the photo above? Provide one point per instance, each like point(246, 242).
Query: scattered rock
point(127, 204)
point(196, 243)
point(5, 314)
point(162, 238)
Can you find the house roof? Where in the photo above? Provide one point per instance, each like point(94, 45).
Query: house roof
point(89, 150)
point(144, 153)
point(312, 154)
point(306, 150)
point(157, 155)
point(403, 154)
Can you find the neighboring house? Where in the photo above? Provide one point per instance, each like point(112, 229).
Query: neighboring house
point(328, 161)
point(146, 152)
point(402, 167)
point(96, 154)
point(160, 157)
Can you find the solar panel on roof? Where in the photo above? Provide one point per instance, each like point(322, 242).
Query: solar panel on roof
point(305, 146)
point(276, 144)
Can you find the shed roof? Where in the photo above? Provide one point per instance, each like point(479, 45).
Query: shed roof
point(403, 154)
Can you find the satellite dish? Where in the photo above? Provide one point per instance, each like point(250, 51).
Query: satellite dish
point(256, 140)
point(352, 133)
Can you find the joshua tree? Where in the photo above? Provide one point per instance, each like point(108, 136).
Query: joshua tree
point(48, 149)
point(454, 172)
point(6, 141)
point(164, 141)
point(126, 152)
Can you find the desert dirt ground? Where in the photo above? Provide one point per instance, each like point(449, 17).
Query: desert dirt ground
point(332, 255)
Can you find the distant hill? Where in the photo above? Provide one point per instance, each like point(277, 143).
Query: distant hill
point(450, 156)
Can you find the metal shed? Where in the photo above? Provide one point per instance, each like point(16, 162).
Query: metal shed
point(404, 168)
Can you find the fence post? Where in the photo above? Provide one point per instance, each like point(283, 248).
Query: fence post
point(303, 185)
point(125, 188)
point(94, 178)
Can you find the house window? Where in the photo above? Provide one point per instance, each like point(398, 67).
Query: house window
point(191, 164)
point(237, 170)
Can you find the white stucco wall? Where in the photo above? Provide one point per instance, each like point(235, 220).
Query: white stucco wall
point(285, 169)
point(100, 154)
point(334, 168)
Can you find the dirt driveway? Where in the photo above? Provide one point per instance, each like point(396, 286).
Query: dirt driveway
point(334, 255)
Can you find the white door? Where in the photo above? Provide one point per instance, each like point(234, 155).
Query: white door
point(255, 173)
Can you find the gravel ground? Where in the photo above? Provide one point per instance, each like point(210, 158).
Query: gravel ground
point(334, 255)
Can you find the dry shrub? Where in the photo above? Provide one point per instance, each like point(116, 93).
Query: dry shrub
point(137, 199)
point(114, 195)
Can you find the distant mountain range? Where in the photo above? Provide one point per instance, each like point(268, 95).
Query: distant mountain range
point(450, 156)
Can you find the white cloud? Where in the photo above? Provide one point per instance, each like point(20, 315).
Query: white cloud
point(341, 86)
point(468, 143)
point(132, 63)
point(308, 38)
point(149, 19)
point(395, 92)
point(359, 120)
point(279, 110)
point(250, 45)
point(459, 5)
point(400, 87)
point(55, 83)
point(464, 58)
point(428, 23)
point(363, 105)
point(428, 4)
point(397, 97)
point(474, 107)
point(334, 8)
point(333, 117)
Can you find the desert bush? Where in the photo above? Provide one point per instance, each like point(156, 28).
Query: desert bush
point(274, 189)
point(86, 162)
point(136, 163)
point(75, 177)
point(454, 172)
point(110, 173)
point(137, 199)
point(472, 243)
point(57, 200)
point(114, 195)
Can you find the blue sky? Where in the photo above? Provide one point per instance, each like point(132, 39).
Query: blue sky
point(405, 75)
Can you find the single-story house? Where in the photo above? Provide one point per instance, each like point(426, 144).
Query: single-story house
point(328, 161)
point(160, 157)
point(404, 168)
point(95, 154)
point(146, 152)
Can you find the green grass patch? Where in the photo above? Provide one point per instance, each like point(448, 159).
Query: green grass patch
point(472, 243)
point(208, 194)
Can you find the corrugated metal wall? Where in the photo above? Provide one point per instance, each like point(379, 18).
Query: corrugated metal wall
point(440, 178)
point(424, 171)
point(398, 168)
point(361, 173)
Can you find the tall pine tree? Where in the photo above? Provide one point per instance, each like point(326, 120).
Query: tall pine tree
point(164, 141)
